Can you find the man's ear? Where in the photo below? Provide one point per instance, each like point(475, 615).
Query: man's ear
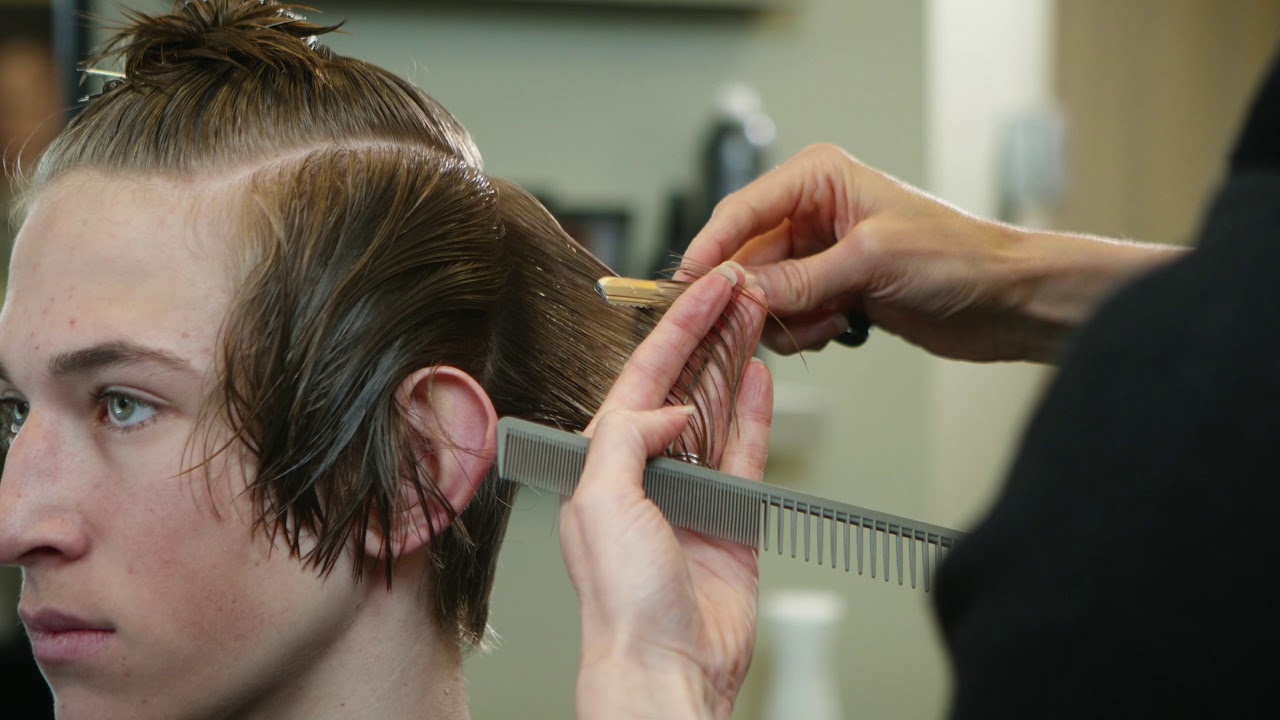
point(454, 428)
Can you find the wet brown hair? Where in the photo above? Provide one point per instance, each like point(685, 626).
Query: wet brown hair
point(370, 243)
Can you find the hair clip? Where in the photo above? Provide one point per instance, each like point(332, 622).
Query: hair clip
point(103, 73)
point(115, 80)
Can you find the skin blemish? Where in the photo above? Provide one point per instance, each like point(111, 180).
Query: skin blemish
point(71, 322)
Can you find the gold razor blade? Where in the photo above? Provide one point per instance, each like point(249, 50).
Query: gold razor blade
point(633, 292)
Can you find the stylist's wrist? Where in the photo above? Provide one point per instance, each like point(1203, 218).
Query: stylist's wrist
point(632, 684)
point(1068, 276)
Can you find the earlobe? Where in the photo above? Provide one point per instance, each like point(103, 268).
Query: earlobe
point(454, 428)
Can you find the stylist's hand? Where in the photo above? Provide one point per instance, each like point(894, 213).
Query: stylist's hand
point(826, 235)
point(668, 616)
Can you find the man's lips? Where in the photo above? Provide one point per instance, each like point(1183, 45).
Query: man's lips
point(59, 637)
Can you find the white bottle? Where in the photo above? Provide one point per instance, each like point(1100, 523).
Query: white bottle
point(801, 624)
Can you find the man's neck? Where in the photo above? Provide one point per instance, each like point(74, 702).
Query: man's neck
point(390, 662)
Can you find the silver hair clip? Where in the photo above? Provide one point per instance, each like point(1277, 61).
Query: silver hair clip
point(114, 80)
point(103, 73)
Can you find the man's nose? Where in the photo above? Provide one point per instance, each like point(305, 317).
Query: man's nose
point(39, 518)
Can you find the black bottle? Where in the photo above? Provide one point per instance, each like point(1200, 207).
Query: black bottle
point(734, 151)
point(736, 146)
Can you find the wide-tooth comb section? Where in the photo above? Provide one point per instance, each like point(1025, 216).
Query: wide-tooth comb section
point(739, 510)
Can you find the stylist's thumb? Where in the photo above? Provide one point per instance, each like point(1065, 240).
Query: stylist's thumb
point(800, 286)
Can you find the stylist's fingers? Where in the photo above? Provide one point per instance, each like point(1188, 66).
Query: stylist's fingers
point(657, 362)
point(622, 443)
point(768, 247)
point(819, 176)
point(801, 285)
point(747, 450)
point(797, 237)
point(811, 331)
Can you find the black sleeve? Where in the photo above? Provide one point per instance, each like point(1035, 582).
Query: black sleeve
point(1127, 569)
point(23, 691)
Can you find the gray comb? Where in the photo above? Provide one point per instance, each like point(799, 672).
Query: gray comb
point(733, 508)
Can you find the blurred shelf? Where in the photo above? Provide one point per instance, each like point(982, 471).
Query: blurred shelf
point(702, 5)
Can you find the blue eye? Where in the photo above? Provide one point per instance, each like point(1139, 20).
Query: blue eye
point(124, 411)
point(15, 413)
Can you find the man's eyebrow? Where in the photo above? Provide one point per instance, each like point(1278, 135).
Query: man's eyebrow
point(113, 354)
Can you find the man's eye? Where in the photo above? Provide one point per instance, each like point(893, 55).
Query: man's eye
point(124, 411)
point(15, 413)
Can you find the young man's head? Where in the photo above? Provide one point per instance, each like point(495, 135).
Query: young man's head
point(262, 314)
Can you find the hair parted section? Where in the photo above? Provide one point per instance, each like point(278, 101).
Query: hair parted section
point(365, 242)
point(218, 84)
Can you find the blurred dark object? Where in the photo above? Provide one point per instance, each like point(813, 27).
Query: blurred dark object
point(603, 231)
point(25, 694)
point(70, 47)
point(681, 226)
point(735, 151)
point(30, 103)
point(858, 332)
point(736, 146)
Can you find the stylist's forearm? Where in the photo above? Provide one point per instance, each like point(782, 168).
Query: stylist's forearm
point(1070, 275)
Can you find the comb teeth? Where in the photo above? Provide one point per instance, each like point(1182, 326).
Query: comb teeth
point(742, 511)
point(839, 537)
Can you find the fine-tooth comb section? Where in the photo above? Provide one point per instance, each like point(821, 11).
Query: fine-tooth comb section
point(731, 508)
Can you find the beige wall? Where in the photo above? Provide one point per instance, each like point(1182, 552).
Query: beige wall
point(987, 62)
point(1156, 90)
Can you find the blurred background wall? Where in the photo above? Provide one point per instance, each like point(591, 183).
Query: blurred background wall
point(606, 105)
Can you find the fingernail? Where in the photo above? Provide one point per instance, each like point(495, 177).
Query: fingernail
point(752, 283)
point(841, 324)
point(731, 270)
point(685, 409)
point(739, 272)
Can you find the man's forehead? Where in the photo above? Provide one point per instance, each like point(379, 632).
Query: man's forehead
point(101, 257)
point(160, 217)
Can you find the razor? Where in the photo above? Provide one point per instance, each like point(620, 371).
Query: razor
point(634, 292)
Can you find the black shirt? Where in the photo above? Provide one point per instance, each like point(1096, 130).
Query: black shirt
point(1128, 569)
point(24, 695)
